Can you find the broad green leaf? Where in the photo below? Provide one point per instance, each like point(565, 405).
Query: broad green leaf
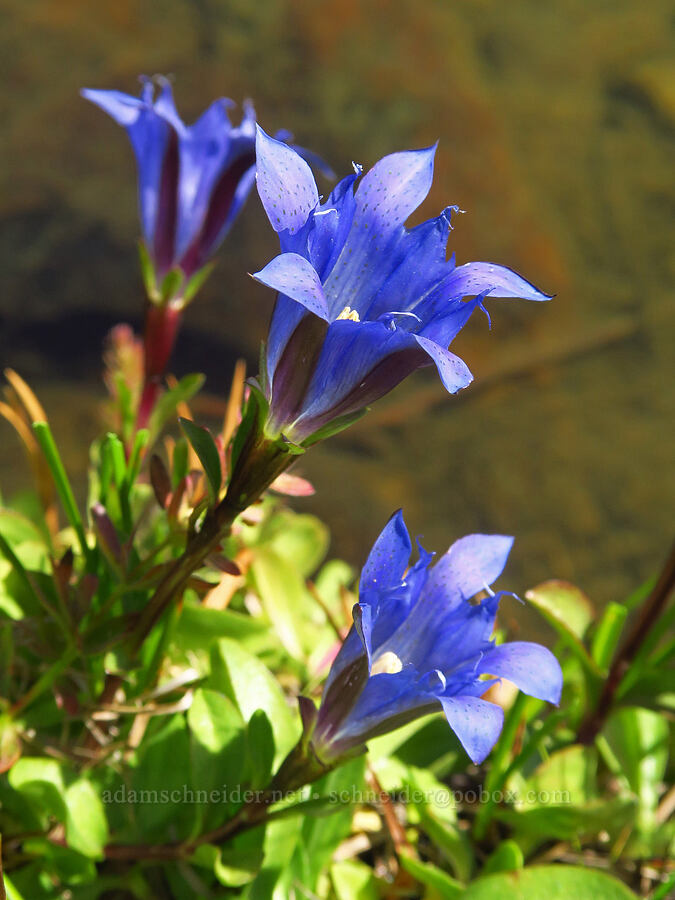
point(301, 539)
point(236, 863)
point(217, 756)
point(353, 880)
point(507, 857)
point(160, 795)
point(566, 777)
point(565, 822)
point(639, 740)
point(549, 883)
point(274, 880)
point(569, 612)
point(251, 686)
point(64, 863)
point(431, 876)
point(565, 603)
point(199, 627)
point(284, 596)
point(653, 689)
point(86, 824)
point(205, 447)
point(40, 781)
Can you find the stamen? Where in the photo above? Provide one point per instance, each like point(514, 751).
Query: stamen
point(387, 664)
point(349, 313)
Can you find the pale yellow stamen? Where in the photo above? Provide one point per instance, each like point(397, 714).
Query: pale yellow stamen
point(349, 313)
point(388, 664)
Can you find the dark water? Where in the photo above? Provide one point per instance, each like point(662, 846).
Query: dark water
point(557, 126)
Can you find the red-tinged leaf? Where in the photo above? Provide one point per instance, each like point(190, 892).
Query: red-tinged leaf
point(292, 486)
point(175, 499)
point(160, 480)
point(63, 571)
point(223, 564)
point(200, 586)
point(106, 533)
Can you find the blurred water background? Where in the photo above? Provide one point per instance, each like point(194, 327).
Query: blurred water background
point(556, 125)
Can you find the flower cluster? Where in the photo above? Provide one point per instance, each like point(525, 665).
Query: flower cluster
point(419, 644)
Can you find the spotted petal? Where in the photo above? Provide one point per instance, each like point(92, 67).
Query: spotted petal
point(295, 277)
point(500, 281)
point(531, 667)
point(285, 184)
point(476, 723)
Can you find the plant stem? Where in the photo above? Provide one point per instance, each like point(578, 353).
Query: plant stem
point(161, 328)
point(650, 612)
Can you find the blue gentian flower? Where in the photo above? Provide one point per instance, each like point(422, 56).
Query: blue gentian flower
point(418, 645)
point(192, 180)
point(363, 301)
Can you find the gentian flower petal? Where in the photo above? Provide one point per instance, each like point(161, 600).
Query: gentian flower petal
point(476, 723)
point(454, 372)
point(531, 667)
point(500, 281)
point(471, 565)
point(388, 559)
point(285, 184)
point(293, 276)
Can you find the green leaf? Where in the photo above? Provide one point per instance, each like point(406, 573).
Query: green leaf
point(10, 744)
point(205, 448)
point(282, 591)
point(639, 740)
point(652, 689)
point(251, 686)
point(432, 877)
point(568, 611)
point(40, 782)
point(260, 746)
point(334, 427)
point(507, 857)
point(549, 882)
point(161, 776)
point(199, 627)
point(273, 882)
point(607, 634)
point(301, 539)
point(217, 755)
point(45, 439)
point(353, 880)
point(235, 864)
point(166, 406)
point(86, 824)
point(567, 776)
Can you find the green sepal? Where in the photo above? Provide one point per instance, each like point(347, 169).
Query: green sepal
point(171, 286)
point(196, 281)
point(334, 427)
point(148, 273)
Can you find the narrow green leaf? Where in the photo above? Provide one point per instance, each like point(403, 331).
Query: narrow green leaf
point(46, 441)
point(136, 456)
point(334, 427)
point(431, 876)
point(166, 406)
point(207, 451)
point(608, 633)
